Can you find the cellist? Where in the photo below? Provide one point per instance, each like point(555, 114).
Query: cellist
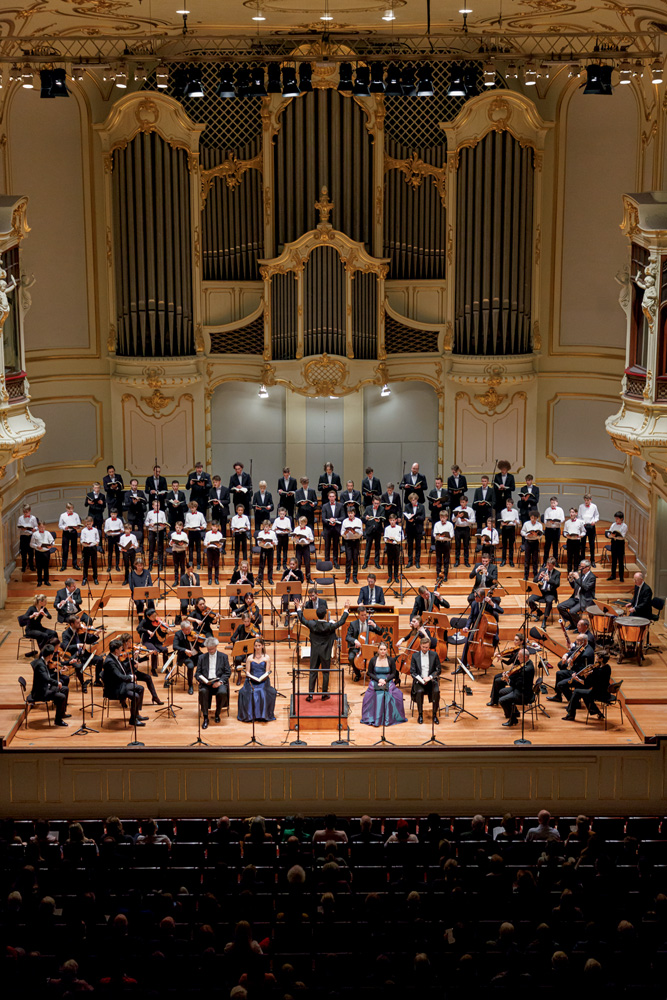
point(482, 630)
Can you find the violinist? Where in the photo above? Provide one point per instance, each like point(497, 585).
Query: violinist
point(152, 633)
point(139, 579)
point(242, 574)
point(484, 573)
point(509, 522)
point(45, 687)
point(213, 542)
point(245, 630)
point(135, 659)
point(120, 681)
point(204, 618)
point(425, 671)
point(129, 547)
point(77, 644)
point(188, 579)
point(188, 648)
point(179, 543)
point(393, 542)
point(426, 601)
point(519, 690)
point(414, 516)
point(590, 688)
point(292, 573)
point(548, 582)
point(68, 602)
point(443, 534)
point(531, 532)
point(464, 520)
point(267, 541)
point(507, 658)
point(580, 654)
point(409, 643)
point(374, 518)
point(250, 607)
point(33, 622)
point(283, 528)
point(357, 632)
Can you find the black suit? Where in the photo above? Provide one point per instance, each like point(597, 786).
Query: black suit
point(331, 532)
point(45, 687)
point(547, 594)
point(528, 501)
point(421, 608)
point(199, 489)
point(519, 690)
point(354, 630)
point(206, 689)
point(185, 581)
point(409, 487)
point(641, 601)
point(323, 484)
point(321, 643)
point(244, 498)
point(175, 511)
point(152, 491)
point(364, 595)
point(484, 506)
point(370, 488)
point(218, 505)
point(135, 512)
point(414, 531)
point(70, 641)
point(304, 506)
point(374, 525)
point(187, 652)
point(583, 596)
point(120, 684)
point(432, 686)
point(594, 688)
point(113, 492)
point(456, 492)
point(503, 495)
point(96, 505)
point(563, 683)
point(263, 508)
point(484, 577)
point(75, 598)
point(285, 501)
point(437, 503)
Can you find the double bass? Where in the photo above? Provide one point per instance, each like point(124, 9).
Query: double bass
point(482, 637)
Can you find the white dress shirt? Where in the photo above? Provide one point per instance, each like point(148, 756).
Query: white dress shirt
point(424, 665)
point(490, 534)
point(177, 536)
point(267, 536)
point(27, 523)
point(155, 517)
point(90, 536)
point(112, 525)
point(554, 514)
point(352, 524)
point(212, 664)
point(39, 538)
point(212, 539)
point(621, 529)
point(68, 521)
point(590, 514)
point(129, 541)
point(239, 521)
point(529, 526)
point(197, 520)
point(574, 527)
point(394, 534)
point(509, 517)
point(282, 524)
point(445, 529)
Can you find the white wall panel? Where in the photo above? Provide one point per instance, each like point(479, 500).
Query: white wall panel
point(245, 427)
point(324, 437)
point(402, 427)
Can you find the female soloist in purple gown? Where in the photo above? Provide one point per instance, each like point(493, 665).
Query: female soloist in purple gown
point(382, 697)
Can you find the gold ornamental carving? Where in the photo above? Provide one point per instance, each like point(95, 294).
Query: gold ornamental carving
point(196, 246)
point(112, 340)
point(20, 227)
point(231, 171)
point(448, 339)
point(109, 246)
point(538, 245)
point(414, 171)
point(499, 113)
point(537, 336)
point(147, 115)
point(200, 344)
point(450, 244)
point(324, 374)
point(324, 205)
point(492, 399)
point(157, 402)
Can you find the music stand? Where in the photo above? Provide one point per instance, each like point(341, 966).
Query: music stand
point(153, 593)
point(189, 594)
point(84, 729)
point(462, 710)
point(237, 589)
point(169, 708)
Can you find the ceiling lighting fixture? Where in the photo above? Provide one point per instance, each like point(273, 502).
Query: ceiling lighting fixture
point(465, 11)
point(326, 15)
point(60, 83)
point(194, 86)
point(625, 72)
point(361, 82)
point(183, 13)
point(376, 85)
point(425, 80)
point(273, 86)
point(15, 74)
point(27, 81)
point(386, 391)
point(529, 75)
point(242, 82)
point(656, 71)
point(408, 81)
point(257, 86)
point(140, 74)
point(46, 83)
point(305, 77)
point(512, 72)
point(393, 86)
point(489, 74)
point(263, 392)
point(389, 15)
point(574, 70)
point(598, 80)
point(180, 82)
point(258, 15)
point(290, 86)
point(162, 77)
point(225, 87)
point(457, 85)
point(345, 78)
point(121, 78)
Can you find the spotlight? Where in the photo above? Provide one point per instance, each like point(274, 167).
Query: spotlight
point(361, 82)
point(226, 83)
point(273, 73)
point(408, 81)
point(489, 74)
point(512, 72)
point(305, 78)
point(140, 74)
point(425, 81)
point(15, 74)
point(345, 78)
point(78, 73)
point(242, 82)
point(389, 16)
point(180, 82)
point(257, 87)
point(121, 78)
point(377, 78)
point(386, 391)
point(529, 75)
point(393, 86)
point(263, 392)
point(457, 86)
point(162, 77)
point(290, 86)
point(194, 86)
point(46, 83)
point(598, 80)
point(625, 72)
point(656, 72)
point(60, 83)
point(574, 70)
point(27, 81)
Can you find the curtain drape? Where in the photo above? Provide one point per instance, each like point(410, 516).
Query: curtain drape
point(232, 220)
point(152, 247)
point(494, 246)
point(415, 230)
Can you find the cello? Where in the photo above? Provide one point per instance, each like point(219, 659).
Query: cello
point(482, 637)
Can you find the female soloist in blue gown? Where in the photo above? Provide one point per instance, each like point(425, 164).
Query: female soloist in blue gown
point(257, 699)
point(382, 696)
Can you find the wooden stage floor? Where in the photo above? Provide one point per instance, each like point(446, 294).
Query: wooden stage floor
point(644, 688)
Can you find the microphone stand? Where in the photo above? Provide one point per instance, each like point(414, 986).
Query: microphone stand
point(383, 737)
point(340, 742)
point(522, 741)
point(199, 742)
point(169, 709)
point(433, 738)
point(84, 729)
point(134, 742)
point(298, 742)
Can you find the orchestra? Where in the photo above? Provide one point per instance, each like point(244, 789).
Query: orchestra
point(194, 514)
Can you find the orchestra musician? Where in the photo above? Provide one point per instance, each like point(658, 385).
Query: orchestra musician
point(529, 497)
point(425, 670)
point(262, 503)
point(549, 582)
point(218, 501)
point(27, 523)
point(128, 546)
point(391, 501)
point(249, 606)
point(135, 506)
point(267, 541)
point(68, 601)
point(509, 522)
point(358, 631)
point(136, 660)
point(287, 487)
point(519, 690)
point(618, 529)
point(69, 525)
point(504, 486)
point(332, 514)
point(553, 518)
point(113, 487)
point(245, 630)
point(152, 634)
point(113, 529)
point(176, 506)
point(313, 601)
point(507, 658)
point(90, 540)
point(156, 524)
point(642, 597)
point(180, 544)
point(242, 574)
point(240, 487)
point(443, 534)
point(414, 482)
point(484, 573)
point(352, 530)
point(195, 527)
point(464, 521)
point(199, 484)
point(45, 687)
point(591, 688)
point(484, 503)
point(427, 601)
point(531, 532)
point(303, 539)
point(203, 618)
point(213, 673)
point(33, 622)
point(139, 579)
point(583, 586)
point(414, 516)
point(580, 654)
point(457, 485)
point(188, 648)
point(370, 487)
point(41, 542)
point(283, 529)
point(438, 500)
point(590, 515)
point(156, 488)
point(374, 518)
point(78, 642)
point(322, 635)
point(188, 579)
point(573, 532)
point(213, 541)
point(329, 480)
point(120, 681)
point(371, 594)
point(409, 643)
point(393, 541)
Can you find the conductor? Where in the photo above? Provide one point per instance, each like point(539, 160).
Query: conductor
point(321, 644)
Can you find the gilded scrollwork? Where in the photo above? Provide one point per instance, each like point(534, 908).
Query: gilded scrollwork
point(415, 170)
point(231, 171)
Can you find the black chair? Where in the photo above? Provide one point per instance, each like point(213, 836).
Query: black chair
point(612, 699)
point(106, 702)
point(29, 702)
point(31, 642)
point(657, 604)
